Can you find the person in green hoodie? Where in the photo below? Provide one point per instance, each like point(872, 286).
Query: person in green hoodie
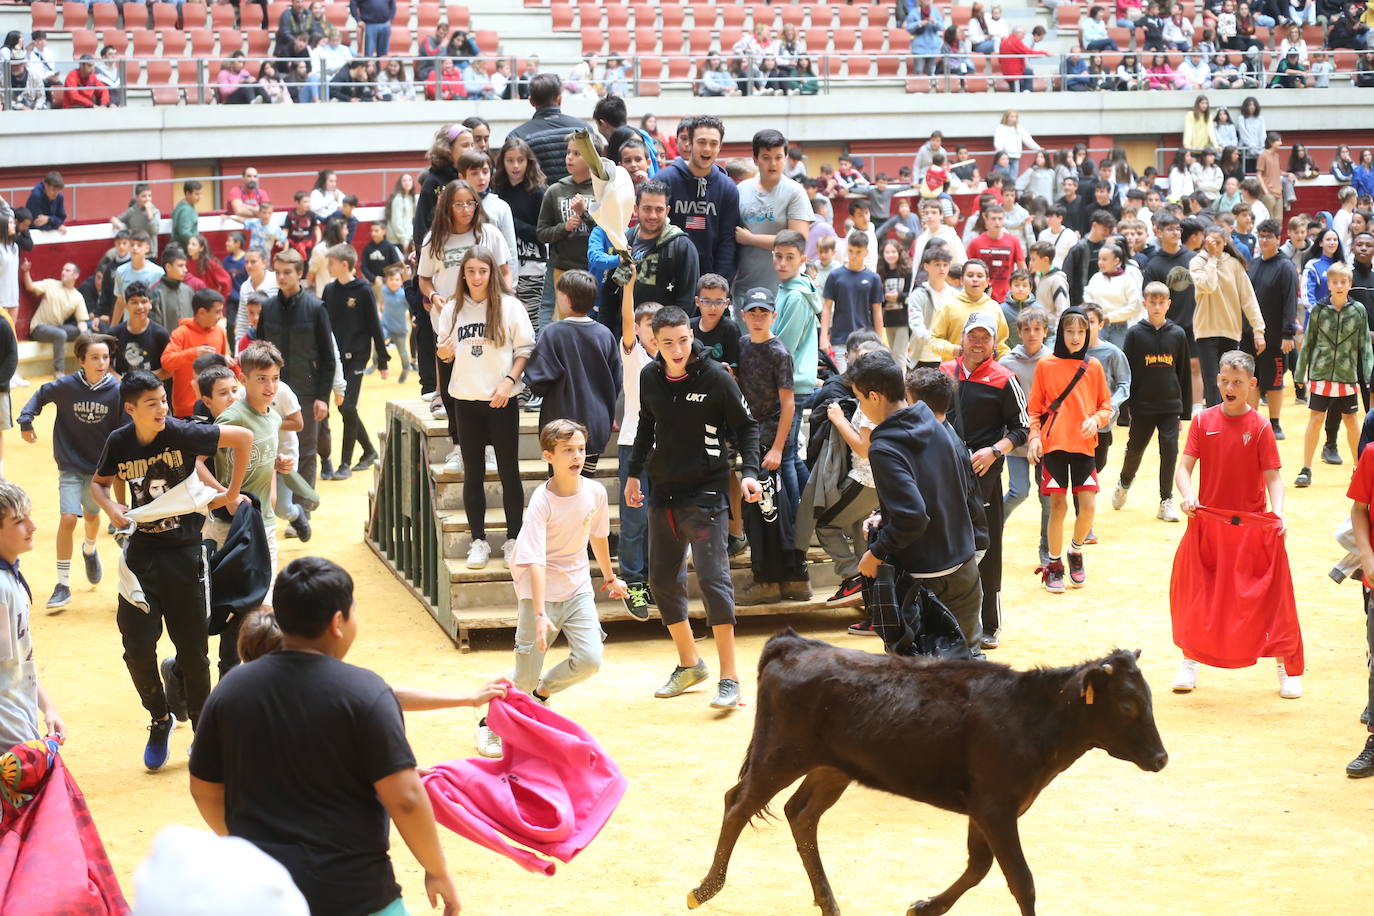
point(564, 224)
point(666, 267)
point(796, 325)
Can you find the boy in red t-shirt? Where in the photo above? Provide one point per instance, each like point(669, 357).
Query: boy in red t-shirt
point(1240, 468)
point(1362, 493)
point(1000, 249)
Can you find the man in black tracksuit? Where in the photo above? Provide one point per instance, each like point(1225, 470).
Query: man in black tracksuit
point(357, 328)
point(665, 258)
point(297, 323)
point(1275, 280)
point(689, 406)
point(927, 529)
point(1161, 395)
point(989, 414)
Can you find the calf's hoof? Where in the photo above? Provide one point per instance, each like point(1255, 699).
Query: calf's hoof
point(692, 901)
point(924, 908)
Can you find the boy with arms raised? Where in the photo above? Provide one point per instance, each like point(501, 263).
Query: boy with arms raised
point(688, 406)
point(153, 455)
point(1233, 546)
point(88, 410)
point(553, 581)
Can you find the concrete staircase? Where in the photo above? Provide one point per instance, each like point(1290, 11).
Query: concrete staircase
point(419, 529)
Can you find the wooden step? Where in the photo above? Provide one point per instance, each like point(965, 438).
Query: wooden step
point(534, 469)
point(449, 486)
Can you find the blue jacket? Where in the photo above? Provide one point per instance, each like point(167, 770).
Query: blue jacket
point(1362, 180)
point(86, 416)
point(707, 209)
point(925, 32)
point(373, 12)
point(600, 258)
point(55, 210)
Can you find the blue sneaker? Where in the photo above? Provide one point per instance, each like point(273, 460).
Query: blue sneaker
point(155, 754)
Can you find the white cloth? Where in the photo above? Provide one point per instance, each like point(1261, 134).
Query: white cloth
point(285, 404)
point(195, 873)
point(443, 271)
point(555, 534)
point(191, 495)
point(478, 365)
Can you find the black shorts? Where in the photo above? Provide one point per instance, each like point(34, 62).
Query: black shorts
point(1061, 472)
point(1321, 403)
point(1269, 368)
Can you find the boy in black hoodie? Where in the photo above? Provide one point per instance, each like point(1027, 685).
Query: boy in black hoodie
point(664, 260)
point(357, 330)
point(1161, 396)
point(688, 406)
point(576, 367)
point(927, 529)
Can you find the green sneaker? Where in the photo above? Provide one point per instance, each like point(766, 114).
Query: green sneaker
point(637, 601)
point(682, 679)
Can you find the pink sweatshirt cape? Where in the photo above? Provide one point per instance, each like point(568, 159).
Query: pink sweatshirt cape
point(552, 790)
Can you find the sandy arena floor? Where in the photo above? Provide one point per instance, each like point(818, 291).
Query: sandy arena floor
point(1253, 814)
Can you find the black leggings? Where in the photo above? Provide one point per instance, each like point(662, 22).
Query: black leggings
point(480, 425)
point(354, 430)
point(1208, 351)
point(1143, 426)
point(422, 338)
point(1104, 442)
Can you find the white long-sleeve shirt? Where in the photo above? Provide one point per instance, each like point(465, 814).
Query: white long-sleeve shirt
point(1012, 140)
point(1119, 296)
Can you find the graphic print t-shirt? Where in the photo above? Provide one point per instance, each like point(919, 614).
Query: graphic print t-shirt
point(153, 469)
point(139, 351)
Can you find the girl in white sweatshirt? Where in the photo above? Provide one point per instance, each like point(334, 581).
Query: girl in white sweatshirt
point(1117, 290)
point(486, 335)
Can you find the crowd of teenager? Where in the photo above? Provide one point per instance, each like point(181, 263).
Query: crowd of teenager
point(761, 374)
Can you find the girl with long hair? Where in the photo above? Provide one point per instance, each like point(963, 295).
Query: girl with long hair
point(1038, 180)
point(399, 213)
point(1224, 297)
point(459, 224)
point(894, 269)
point(1300, 165)
point(205, 268)
point(486, 338)
point(1343, 165)
point(1207, 176)
point(1181, 175)
point(317, 273)
point(519, 181)
point(325, 197)
point(1327, 251)
point(1231, 164)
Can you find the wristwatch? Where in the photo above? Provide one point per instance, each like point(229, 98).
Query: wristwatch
point(996, 451)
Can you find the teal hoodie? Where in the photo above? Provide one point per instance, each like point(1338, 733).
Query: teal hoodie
point(797, 325)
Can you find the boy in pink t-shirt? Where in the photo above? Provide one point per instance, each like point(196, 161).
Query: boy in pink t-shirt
point(553, 580)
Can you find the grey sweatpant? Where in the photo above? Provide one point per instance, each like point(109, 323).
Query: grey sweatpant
point(962, 592)
point(672, 531)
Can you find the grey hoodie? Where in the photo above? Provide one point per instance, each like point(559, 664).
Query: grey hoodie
point(1023, 366)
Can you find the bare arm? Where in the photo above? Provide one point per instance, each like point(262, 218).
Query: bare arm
point(405, 800)
point(1183, 481)
point(293, 423)
point(413, 699)
point(209, 797)
point(240, 441)
point(627, 312)
point(1273, 483)
point(56, 726)
point(772, 459)
point(100, 490)
point(856, 440)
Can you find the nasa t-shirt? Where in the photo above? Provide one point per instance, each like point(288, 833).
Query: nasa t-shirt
point(139, 351)
point(153, 469)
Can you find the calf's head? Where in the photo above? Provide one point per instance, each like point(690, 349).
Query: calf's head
point(1120, 716)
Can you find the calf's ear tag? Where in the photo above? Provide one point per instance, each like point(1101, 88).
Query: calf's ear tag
point(1088, 694)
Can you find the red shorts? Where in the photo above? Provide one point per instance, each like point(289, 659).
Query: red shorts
point(1061, 472)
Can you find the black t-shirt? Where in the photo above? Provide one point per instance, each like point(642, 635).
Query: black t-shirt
point(721, 342)
point(138, 351)
point(1172, 271)
point(298, 740)
point(300, 227)
point(153, 469)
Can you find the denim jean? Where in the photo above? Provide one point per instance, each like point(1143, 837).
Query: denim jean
point(376, 39)
point(576, 618)
point(57, 335)
point(1115, 332)
point(634, 526)
point(793, 470)
point(309, 90)
point(1018, 484)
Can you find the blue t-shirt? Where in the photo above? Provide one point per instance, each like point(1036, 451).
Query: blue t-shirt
point(394, 309)
point(854, 294)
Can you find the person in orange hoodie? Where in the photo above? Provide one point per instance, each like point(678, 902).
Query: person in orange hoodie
point(194, 337)
point(1069, 403)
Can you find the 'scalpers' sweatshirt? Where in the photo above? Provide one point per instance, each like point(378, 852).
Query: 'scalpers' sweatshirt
point(86, 415)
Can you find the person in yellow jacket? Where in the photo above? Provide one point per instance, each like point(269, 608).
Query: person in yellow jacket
point(947, 328)
point(1198, 133)
point(1224, 294)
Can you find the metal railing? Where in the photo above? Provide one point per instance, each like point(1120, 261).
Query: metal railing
point(196, 79)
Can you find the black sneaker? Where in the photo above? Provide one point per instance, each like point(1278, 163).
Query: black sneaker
point(1330, 455)
point(92, 561)
point(366, 461)
point(1278, 430)
point(326, 470)
point(1364, 716)
point(174, 686)
point(155, 752)
point(637, 601)
point(1304, 478)
point(736, 545)
point(61, 597)
point(301, 526)
point(850, 592)
point(1077, 574)
point(1362, 765)
point(343, 473)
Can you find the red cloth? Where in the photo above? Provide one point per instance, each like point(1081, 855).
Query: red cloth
point(1362, 484)
point(52, 862)
point(1234, 452)
point(214, 277)
point(552, 790)
point(1232, 592)
point(1002, 255)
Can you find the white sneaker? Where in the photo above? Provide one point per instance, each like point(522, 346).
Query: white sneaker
point(1186, 679)
point(453, 464)
point(436, 408)
point(491, 460)
point(1290, 685)
point(18, 381)
point(507, 550)
point(1167, 512)
point(1119, 497)
point(478, 555)
point(488, 742)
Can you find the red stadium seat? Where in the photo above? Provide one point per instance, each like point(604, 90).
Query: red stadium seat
point(729, 36)
point(136, 16)
point(878, 14)
point(762, 14)
point(222, 15)
point(679, 68)
point(427, 15)
point(617, 15)
point(645, 15)
point(650, 76)
point(251, 17)
point(822, 16)
point(588, 15)
point(164, 15)
point(194, 15)
point(105, 15)
point(592, 40)
point(671, 40)
point(732, 15)
point(1124, 38)
point(132, 68)
point(646, 41)
point(43, 15)
point(274, 10)
point(459, 17)
point(700, 42)
point(73, 15)
point(115, 38)
point(890, 63)
point(817, 39)
point(919, 84)
point(402, 44)
point(85, 41)
point(1068, 15)
point(173, 42)
point(336, 14)
point(1314, 35)
point(872, 39)
point(673, 14)
point(857, 66)
point(562, 16)
point(402, 17)
point(230, 40)
point(959, 15)
point(188, 76)
point(618, 40)
point(203, 41)
point(145, 43)
point(977, 81)
point(260, 40)
point(845, 39)
point(488, 40)
point(703, 15)
point(793, 15)
point(159, 81)
point(850, 16)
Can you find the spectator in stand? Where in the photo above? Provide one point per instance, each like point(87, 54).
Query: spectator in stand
point(1251, 131)
point(547, 131)
point(392, 84)
point(1012, 57)
point(11, 47)
point(298, 21)
point(1160, 75)
point(705, 202)
point(980, 37)
point(445, 82)
point(1198, 133)
point(1348, 32)
point(1011, 138)
point(143, 215)
point(353, 83)
point(236, 85)
point(47, 204)
point(476, 83)
point(326, 198)
point(109, 71)
point(715, 79)
point(201, 265)
point(431, 49)
point(925, 23)
point(1092, 32)
point(375, 17)
point(246, 198)
point(83, 88)
point(186, 214)
point(461, 46)
point(41, 60)
point(61, 314)
point(27, 92)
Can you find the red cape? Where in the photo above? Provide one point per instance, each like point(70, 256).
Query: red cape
point(1232, 592)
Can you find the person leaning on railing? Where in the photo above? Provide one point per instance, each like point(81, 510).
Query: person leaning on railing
point(82, 88)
